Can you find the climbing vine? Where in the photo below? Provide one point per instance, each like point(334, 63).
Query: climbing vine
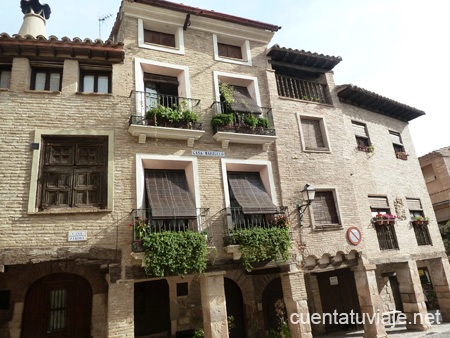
point(262, 244)
point(170, 253)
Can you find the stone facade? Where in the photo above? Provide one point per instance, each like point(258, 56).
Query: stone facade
point(435, 169)
point(35, 241)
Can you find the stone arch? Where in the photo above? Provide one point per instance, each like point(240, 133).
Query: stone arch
point(244, 282)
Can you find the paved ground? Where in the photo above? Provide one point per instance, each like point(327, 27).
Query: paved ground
point(441, 330)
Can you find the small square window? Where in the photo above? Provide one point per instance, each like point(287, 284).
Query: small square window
point(5, 77)
point(95, 82)
point(397, 143)
point(232, 50)
point(313, 134)
point(182, 289)
point(161, 37)
point(46, 79)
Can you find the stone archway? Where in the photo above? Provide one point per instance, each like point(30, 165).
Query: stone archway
point(235, 309)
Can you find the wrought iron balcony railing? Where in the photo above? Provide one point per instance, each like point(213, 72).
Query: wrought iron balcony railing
point(301, 89)
point(234, 218)
point(142, 222)
point(170, 111)
point(263, 122)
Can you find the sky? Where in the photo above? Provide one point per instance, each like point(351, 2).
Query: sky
point(395, 48)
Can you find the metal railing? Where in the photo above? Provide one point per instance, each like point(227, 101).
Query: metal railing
point(142, 102)
point(142, 222)
point(238, 125)
point(301, 89)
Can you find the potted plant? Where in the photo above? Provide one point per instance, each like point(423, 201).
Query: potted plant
point(378, 218)
point(389, 218)
point(401, 155)
point(251, 121)
point(222, 120)
point(418, 219)
point(140, 229)
point(189, 117)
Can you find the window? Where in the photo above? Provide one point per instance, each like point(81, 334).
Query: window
point(428, 173)
point(398, 145)
point(170, 204)
point(387, 238)
point(313, 134)
point(324, 210)
point(229, 51)
point(74, 172)
point(5, 77)
point(95, 82)
point(232, 50)
point(159, 38)
point(420, 228)
point(167, 37)
point(46, 79)
point(160, 89)
point(361, 135)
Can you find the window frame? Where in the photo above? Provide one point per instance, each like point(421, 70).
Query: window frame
point(323, 129)
point(398, 146)
point(163, 28)
point(244, 45)
point(96, 75)
point(383, 230)
point(362, 142)
point(421, 231)
point(330, 226)
point(3, 71)
point(48, 72)
point(36, 170)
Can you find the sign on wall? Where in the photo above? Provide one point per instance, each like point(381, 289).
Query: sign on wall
point(77, 236)
point(208, 153)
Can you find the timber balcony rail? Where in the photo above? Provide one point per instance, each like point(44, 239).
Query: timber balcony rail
point(142, 223)
point(301, 89)
point(234, 219)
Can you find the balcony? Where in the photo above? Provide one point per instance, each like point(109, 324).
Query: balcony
point(296, 88)
point(257, 239)
point(164, 117)
point(252, 127)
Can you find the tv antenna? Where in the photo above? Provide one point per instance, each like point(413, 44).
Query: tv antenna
point(102, 19)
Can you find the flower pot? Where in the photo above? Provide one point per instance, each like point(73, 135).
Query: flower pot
point(138, 245)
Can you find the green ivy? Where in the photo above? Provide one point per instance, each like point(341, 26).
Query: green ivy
point(222, 120)
point(262, 244)
point(171, 253)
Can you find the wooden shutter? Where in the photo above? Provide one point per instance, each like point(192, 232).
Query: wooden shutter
point(243, 102)
point(378, 202)
point(359, 129)
point(413, 204)
point(168, 194)
point(248, 190)
point(324, 208)
point(312, 134)
point(57, 187)
point(229, 51)
point(395, 137)
point(87, 187)
point(159, 38)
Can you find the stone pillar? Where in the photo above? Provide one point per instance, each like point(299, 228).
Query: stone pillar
point(315, 295)
point(412, 297)
point(121, 310)
point(20, 75)
point(70, 77)
point(439, 269)
point(294, 293)
point(369, 300)
point(212, 290)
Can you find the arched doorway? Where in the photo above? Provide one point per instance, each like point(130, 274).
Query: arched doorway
point(273, 305)
point(151, 308)
point(58, 306)
point(235, 309)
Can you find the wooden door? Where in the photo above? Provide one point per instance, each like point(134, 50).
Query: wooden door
point(338, 293)
point(58, 306)
point(151, 308)
point(235, 308)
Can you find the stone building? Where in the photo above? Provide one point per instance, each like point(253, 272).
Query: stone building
point(185, 122)
point(436, 171)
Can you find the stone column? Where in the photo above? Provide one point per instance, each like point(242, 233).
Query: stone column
point(121, 310)
point(439, 269)
point(294, 294)
point(315, 292)
point(70, 77)
point(20, 74)
point(412, 297)
point(212, 290)
point(369, 300)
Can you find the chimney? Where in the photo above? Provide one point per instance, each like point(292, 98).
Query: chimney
point(35, 18)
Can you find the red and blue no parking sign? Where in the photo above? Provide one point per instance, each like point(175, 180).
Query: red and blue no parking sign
point(354, 235)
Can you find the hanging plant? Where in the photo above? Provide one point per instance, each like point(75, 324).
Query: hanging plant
point(262, 244)
point(170, 253)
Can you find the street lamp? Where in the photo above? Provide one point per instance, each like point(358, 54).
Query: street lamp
point(308, 194)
